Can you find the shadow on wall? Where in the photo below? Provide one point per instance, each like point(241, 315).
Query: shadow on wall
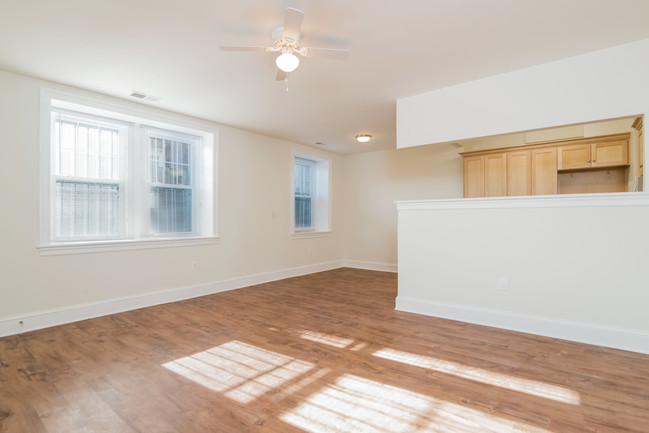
point(436, 168)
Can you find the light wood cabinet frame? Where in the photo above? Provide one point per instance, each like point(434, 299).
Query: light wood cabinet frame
point(533, 169)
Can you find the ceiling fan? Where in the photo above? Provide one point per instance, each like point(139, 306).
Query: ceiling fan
point(286, 41)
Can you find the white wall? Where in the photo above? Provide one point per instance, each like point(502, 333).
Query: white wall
point(576, 272)
point(374, 180)
point(254, 181)
point(600, 85)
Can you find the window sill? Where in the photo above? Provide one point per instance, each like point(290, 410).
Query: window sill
point(310, 235)
point(121, 245)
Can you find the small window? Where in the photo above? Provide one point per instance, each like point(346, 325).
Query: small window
point(310, 194)
point(304, 193)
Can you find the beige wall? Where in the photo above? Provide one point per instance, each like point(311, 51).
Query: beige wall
point(254, 181)
point(374, 181)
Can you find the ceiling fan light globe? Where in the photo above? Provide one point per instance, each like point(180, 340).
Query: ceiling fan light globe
point(287, 62)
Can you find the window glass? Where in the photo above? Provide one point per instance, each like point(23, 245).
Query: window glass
point(170, 178)
point(304, 185)
point(87, 168)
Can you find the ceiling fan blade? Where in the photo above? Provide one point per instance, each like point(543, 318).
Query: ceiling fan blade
point(245, 48)
point(292, 24)
point(281, 75)
point(325, 53)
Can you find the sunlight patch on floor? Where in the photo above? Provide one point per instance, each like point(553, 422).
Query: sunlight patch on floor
point(356, 405)
point(501, 380)
point(331, 340)
point(240, 371)
point(358, 347)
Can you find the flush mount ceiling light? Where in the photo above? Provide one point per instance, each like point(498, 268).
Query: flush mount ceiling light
point(363, 138)
point(287, 61)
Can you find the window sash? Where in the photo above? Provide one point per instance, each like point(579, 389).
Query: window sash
point(87, 210)
point(171, 186)
point(304, 192)
point(87, 194)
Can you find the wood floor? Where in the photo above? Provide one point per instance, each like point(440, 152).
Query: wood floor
point(319, 353)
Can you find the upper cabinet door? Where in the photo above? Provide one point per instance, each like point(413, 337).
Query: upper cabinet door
point(495, 175)
point(519, 173)
point(611, 153)
point(574, 156)
point(474, 176)
point(544, 171)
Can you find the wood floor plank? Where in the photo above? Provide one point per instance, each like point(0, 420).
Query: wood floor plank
point(325, 352)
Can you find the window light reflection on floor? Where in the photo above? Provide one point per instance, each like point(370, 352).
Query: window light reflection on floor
point(356, 405)
point(331, 340)
point(501, 380)
point(238, 370)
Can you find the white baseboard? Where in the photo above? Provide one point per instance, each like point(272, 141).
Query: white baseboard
point(617, 338)
point(44, 319)
point(371, 266)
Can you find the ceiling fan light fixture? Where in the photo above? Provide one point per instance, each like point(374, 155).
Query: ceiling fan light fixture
point(287, 61)
point(363, 138)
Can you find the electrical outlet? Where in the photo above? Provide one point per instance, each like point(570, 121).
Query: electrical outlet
point(194, 265)
point(503, 284)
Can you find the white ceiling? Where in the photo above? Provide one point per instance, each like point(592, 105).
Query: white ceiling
point(169, 49)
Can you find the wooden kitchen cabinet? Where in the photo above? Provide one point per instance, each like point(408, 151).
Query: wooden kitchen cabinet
point(610, 154)
point(474, 176)
point(485, 175)
point(519, 173)
point(573, 157)
point(544, 171)
point(593, 155)
point(537, 168)
point(495, 175)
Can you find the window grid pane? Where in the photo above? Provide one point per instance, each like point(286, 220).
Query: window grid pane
point(86, 210)
point(87, 172)
point(304, 173)
point(86, 151)
point(171, 189)
point(171, 210)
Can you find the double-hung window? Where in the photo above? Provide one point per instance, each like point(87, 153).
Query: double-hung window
point(311, 204)
point(170, 183)
point(88, 177)
point(111, 177)
point(304, 193)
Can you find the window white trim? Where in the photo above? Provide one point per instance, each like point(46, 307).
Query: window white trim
point(134, 114)
point(121, 245)
point(321, 201)
point(311, 235)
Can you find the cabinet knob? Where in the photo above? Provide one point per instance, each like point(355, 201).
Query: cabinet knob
point(588, 160)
